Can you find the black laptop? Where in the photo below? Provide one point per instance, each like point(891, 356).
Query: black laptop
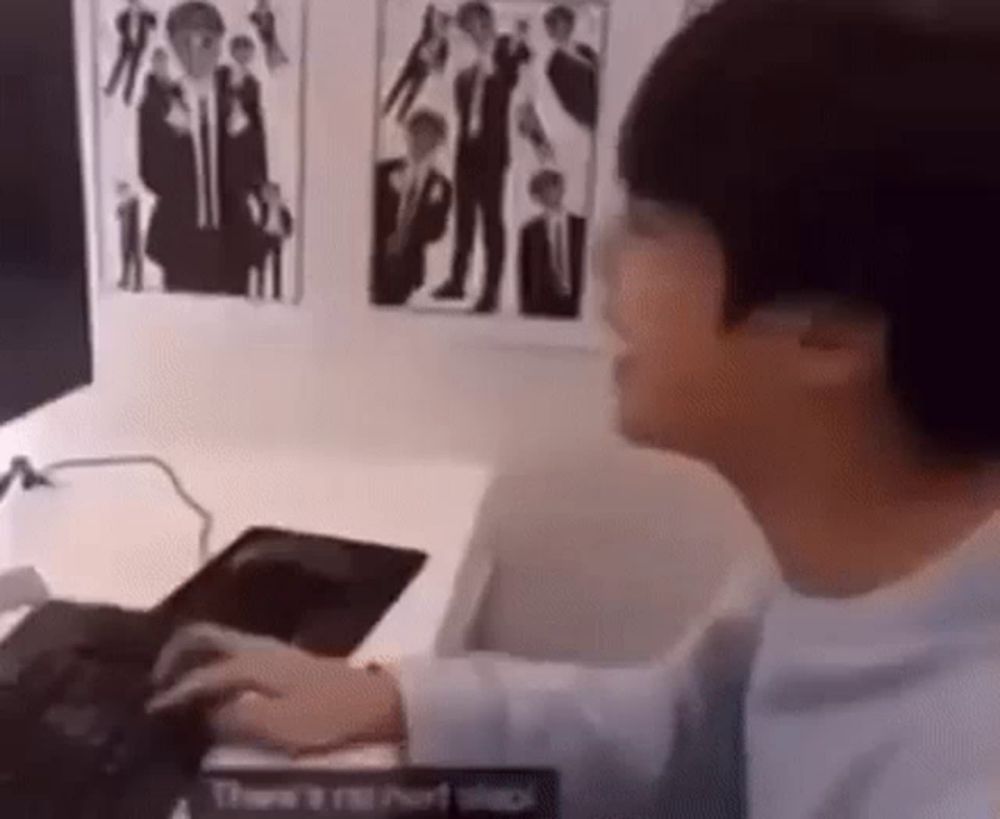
point(76, 742)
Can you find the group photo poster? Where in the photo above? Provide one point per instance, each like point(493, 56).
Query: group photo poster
point(199, 137)
point(484, 177)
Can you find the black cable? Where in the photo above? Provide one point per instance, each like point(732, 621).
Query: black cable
point(31, 478)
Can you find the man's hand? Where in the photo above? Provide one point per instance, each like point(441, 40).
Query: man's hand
point(238, 121)
point(263, 692)
point(179, 119)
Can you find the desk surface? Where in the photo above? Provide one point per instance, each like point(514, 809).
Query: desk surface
point(120, 535)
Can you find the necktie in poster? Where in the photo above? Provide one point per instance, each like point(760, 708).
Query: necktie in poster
point(200, 146)
point(500, 100)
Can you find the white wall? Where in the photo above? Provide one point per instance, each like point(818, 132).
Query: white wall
point(236, 396)
point(333, 376)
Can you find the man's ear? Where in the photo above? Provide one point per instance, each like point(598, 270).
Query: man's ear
point(828, 345)
point(840, 346)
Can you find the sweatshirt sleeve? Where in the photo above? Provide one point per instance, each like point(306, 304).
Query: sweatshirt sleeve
point(660, 740)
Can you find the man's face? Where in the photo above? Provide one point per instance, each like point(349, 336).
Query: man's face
point(481, 29)
point(423, 142)
point(560, 30)
point(243, 55)
point(442, 22)
point(198, 51)
point(685, 381)
point(552, 194)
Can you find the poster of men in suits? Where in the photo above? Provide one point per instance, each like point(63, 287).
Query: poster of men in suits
point(200, 146)
point(484, 177)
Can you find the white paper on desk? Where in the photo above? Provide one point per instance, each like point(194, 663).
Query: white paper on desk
point(112, 535)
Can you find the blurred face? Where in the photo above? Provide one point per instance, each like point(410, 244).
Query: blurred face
point(552, 195)
point(160, 64)
point(686, 382)
point(198, 51)
point(243, 55)
point(423, 142)
point(480, 29)
point(560, 30)
point(442, 22)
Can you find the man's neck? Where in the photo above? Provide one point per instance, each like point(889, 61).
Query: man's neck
point(848, 527)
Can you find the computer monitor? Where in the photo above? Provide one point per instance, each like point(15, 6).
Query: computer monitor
point(45, 348)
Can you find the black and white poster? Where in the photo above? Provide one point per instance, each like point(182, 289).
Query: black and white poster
point(200, 146)
point(485, 173)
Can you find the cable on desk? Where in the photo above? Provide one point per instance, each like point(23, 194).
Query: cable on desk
point(31, 478)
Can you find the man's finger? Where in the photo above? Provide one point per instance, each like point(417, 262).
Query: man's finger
point(209, 682)
point(197, 638)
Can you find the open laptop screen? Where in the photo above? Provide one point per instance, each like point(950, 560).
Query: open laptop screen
point(322, 593)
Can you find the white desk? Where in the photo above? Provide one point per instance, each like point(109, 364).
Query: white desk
point(119, 535)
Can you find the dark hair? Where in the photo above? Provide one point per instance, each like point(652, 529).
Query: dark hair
point(195, 14)
point(847, 149)
point(470, 9)
point(559, 14)
point(543, 179)
point(241, 41)
point(431, 120)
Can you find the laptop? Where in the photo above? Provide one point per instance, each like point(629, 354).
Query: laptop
point(74, 678)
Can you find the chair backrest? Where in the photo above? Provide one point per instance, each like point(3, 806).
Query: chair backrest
point(603, 559)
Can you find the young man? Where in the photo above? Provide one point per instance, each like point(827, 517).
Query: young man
point(265, 21)
point(483, 94)
point(134, 26)
point(203, 159)
point(413, 202)
point(805, 291)
point(428, 55)
point(276, 227)
point(551, 253)
point(129, 215)
point(573, 67)
point(243, 83)
point(161, 91)
point(246, 94)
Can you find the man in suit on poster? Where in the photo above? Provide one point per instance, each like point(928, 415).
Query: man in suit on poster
point(413, 201)
point(551, 257)
point(573, 67)
point(134, 26)
point(429, 55)
point(204, 160)
point(161, 91)
point(129, 215)
point(276, 227)
point(483, 94)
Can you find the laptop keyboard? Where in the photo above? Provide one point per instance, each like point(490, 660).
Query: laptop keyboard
point(77, 742)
